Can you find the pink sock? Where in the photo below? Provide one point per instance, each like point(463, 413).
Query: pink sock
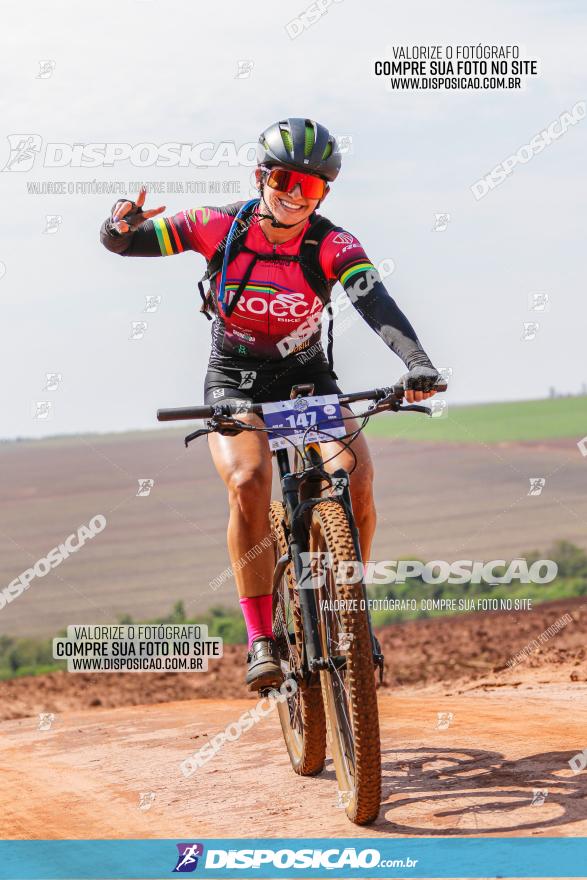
point(258, 616)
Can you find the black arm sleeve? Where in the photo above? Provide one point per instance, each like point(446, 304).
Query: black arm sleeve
point(372, 301)
point(142, 242)
point(148, 238)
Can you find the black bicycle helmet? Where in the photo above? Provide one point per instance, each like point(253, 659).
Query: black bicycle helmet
point(300, 144)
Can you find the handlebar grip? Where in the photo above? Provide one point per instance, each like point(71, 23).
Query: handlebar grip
point(400, 391)
point(184, 413)
point(190, 413)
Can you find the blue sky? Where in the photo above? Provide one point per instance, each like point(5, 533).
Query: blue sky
point(134, 72)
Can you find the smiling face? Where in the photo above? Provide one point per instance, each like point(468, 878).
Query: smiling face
point(288, 208)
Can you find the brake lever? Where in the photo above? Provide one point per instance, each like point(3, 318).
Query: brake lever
point(393, 404)
point(386, 403)
point(415, 407)
point(228, 427)
point(195, 434)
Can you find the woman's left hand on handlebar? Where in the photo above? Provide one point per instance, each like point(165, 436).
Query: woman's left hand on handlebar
point(419, 383)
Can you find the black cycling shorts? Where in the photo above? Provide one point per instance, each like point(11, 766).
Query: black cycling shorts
point(266, 385)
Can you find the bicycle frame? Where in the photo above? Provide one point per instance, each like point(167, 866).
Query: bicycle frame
point(302, 490)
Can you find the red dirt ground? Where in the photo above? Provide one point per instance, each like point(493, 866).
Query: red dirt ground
point(511, 735)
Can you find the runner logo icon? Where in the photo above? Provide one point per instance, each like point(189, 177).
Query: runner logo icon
point(188, 855)
point(247, 379)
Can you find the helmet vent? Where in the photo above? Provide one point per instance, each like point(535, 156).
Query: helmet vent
point(287, 140)
point(308, 140)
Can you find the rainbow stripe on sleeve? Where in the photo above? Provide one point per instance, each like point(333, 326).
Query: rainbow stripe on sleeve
point(167, 236)
point(354, 269)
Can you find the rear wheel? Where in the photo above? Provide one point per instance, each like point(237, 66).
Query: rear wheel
point(348, 686)
point(302, 714)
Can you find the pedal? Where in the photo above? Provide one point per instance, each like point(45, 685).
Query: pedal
point(379, 663)
point(267, 691)
point(378, 658)
point(274, 690)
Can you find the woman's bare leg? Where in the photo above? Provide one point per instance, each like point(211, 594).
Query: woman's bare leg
point(244, 463)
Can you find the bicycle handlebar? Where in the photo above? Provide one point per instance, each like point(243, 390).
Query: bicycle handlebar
point(189, 413)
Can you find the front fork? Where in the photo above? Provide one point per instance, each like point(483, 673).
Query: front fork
point(341, 480)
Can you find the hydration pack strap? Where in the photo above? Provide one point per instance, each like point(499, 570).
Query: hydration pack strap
point(229, 307)
point(309, 253)
point(309, 256)
point(205, 307)
point(226, 259)
point(330, 346)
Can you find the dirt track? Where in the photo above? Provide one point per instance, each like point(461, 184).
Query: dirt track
point(512, 731)
point(83, 777)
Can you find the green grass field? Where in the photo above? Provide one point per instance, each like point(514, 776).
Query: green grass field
point(524, 420)
point(491, 423)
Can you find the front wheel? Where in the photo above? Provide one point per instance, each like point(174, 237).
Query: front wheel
point(348, 685)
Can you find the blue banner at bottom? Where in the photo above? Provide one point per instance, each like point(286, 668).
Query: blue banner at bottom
point(293, 857)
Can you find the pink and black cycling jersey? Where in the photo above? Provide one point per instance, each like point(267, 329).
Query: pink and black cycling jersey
point(277, 299)
point(278, 313)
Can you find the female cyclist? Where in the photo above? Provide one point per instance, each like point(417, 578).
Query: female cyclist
point(271, 265)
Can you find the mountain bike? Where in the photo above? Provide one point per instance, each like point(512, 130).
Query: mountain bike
point(322, 624)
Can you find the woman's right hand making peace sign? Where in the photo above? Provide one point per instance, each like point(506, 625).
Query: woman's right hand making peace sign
point(128, 216)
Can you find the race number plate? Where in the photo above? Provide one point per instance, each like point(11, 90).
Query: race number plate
point(303, 420)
